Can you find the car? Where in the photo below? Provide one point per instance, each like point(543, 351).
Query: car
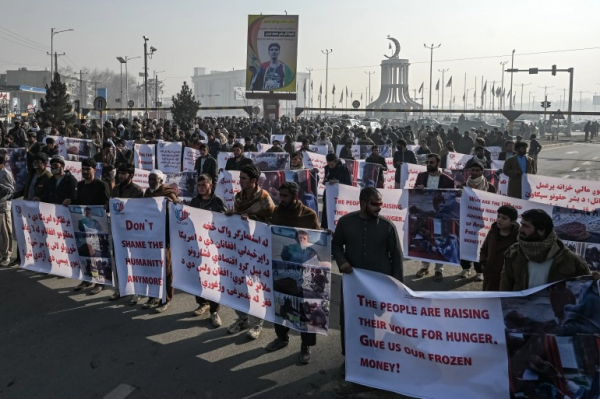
point(428, 122)
point(371, 125)
point(349, 122)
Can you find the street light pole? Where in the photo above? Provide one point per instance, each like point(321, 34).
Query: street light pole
point(52, 33)
point(326, 52)
point(522, 85)
point(431, 68)
point(146, 76)
point(369, 73)
point(309, 84)
point(501, 102)
point(443, 71)
point(512, 65)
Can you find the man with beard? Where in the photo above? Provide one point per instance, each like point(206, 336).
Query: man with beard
point(433, 179)
point(364, 239)
point(18, 134)
point(297, 161)
point(61, 189)
point(375, 158)
point(90, 191)
point(508, 152)
point(251, 202)
point(33, 148)
point(539, 257)
point(400, 156)
point(50, 148)
point(517, 166)
point(36, 178)
point(290, 212)
point(475, 181)
point(125, 188)
point(156, 188)
point(479, 157)
point(346, 151)
point(239, 160)
point(208, 201)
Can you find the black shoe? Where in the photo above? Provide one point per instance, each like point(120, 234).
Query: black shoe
point(277, 344)
point(305, 354)
point(84, 284)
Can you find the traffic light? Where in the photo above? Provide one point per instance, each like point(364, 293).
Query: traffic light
point(548, 104)
point(553, 70)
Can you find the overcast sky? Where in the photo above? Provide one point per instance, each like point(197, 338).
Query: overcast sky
point(211, 34)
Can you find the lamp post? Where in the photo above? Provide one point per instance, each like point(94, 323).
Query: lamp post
point(522, 85)
point(512, 65)
point(52, 33)
point(146, 55)
point(124, 60)
point(326, 52)
point(431, 68)
point(443, 71)
point(501, 102)
point(369, 73)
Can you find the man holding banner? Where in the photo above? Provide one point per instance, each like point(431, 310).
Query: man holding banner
point(365, 240)
point(292, 213)
point(517, 166)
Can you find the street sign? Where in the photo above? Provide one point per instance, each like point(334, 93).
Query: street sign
point(558, 115)
point(256, 110)
point(99, 103)
point(356, 103)
point(130, 103)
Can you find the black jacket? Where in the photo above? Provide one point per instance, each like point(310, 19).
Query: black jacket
point(38, 190)
point(209, 167)
point(339, 173)
point(232, 164)
point(214, 204)
point(95, 193)
point(67, 187)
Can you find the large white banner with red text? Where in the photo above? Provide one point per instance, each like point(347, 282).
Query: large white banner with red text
point(569, 193)
point(144, 156)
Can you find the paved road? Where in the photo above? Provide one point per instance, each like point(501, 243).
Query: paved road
point(55, 343)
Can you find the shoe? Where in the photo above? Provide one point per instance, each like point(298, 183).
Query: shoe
point(277, 344)
point(5, 262)
point(162, 307)
point(422, 272)
point(134, 300)
point(215, 319)
point(464, 273)
point(479, 277)
point(14, 263)
point(116, 295)
point(438, 277)
point(239, 325)
point(97, 289)
point(255, 331)
point(150, 303)
point(201, 310)
point(84, 284)
point(305, 354)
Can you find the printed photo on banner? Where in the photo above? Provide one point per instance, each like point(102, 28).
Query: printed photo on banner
point(98, 269)
point(433, 225)
point(268, 161)
point(184, 185)
point(306, 180)
point(552, 340)
point(272, 53)
point(386, 151)
point(301, 278)
point(78, 149)
point(461, 176)
point(16, 161)
point(89, 219)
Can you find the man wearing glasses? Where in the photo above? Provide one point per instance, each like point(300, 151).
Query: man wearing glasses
point(205, 163)
point(433, 179)
point(363, 239)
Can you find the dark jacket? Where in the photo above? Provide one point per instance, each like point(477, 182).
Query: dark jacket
point(487, 165)
point(445, 180)
point(54, 194)
point(346, 153)
point(339, 173)
point(95, 193)
point(504, 155)
point(213, 148)
point(514, 173)
point(491, 255)
point(214, 204)
point(209, 167)
point(515, 275)
point(38, 190)
point(401, 157)
point(131, 190)
point(378, 159)
point(232, 164)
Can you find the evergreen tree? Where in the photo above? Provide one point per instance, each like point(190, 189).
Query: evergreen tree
point(185, 107)
point(56, 106)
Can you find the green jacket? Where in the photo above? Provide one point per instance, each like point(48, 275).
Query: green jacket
point(565, 265)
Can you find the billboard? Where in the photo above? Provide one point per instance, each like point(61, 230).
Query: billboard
point(596, 100)
point(272, 53)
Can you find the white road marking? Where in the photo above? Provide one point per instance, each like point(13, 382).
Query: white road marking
point(575, 170)
point(594, 158)
point(586, 163)
point(572, 152)
point(120, 392)
point(566, 176)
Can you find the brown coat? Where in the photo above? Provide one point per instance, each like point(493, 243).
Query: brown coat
point(491, 255)
point(514, 173)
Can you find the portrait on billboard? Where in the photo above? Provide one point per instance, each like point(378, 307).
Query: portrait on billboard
point(272, 53)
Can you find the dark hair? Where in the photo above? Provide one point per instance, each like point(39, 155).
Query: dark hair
point(297, 154)
point(2, 158)
point(331, 157)
point(533, 136)
point(477, 165)
point(42, 157)
point(293, 187)
point(508, 141)
point(202, 146)
point(367, 193)
point(205, 177)
point(238, 145)
point(251, 170)
point(401, 141)
point(373, 147)
point(89, 162)
point(521, 144)
point(434, 155)
point(539, 219)
point(479, 147)
point(508, 211)
point(49, 140)
point(126, 168)
point(274, 45)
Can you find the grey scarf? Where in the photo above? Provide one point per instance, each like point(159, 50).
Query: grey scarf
point(539, 251)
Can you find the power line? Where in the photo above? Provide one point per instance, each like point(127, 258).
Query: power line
point(71, 61)
point(474, 58)
point(21, 44)
point(24, 38)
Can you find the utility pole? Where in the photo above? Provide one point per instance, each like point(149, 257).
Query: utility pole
point(545, 100)
point(370, 73)
point(309, 84)
point(431, 69)
point(327, 52)
point(501, 101)
point(443, 71)
point(52, 33)
point(522, 85)
point(512, 65)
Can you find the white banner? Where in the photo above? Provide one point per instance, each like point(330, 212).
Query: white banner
point(355, 150)
point(389, 176)
point(140, 178)
point(456, 160)
point(223, 259)
point(319, 149)
point(189, 159)
point(143, 156)
point(478, 210)
point(59, 142)
point(316, 161)
point(569, 193)
point(168, 156)
point(222, 158)
point(266, 161)
point(409, 173)
point(138, 229)
point(228, 184)
point(419, 346)
point(494, 152)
